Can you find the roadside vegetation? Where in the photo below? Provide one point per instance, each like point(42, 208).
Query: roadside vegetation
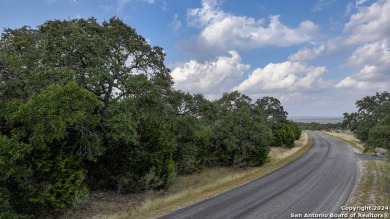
point(88, 106)
point(196, 187)
point(371, 122)
point(315, 126)
point(371, 127)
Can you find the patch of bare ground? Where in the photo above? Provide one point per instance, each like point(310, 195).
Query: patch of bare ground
point(186, 190)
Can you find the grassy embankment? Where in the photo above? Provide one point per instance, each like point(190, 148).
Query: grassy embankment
point(373, 187)
point(196, 187)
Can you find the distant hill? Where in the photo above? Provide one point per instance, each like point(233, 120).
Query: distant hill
point(316, 119)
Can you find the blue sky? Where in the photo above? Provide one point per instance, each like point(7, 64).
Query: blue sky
point(317, 56)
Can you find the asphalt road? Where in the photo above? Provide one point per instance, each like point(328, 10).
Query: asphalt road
point(319, 182)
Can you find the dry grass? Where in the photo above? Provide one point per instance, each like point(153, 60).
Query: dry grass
point(373, 188)
point(193, 188)
point(278, 153)
point(356, 144)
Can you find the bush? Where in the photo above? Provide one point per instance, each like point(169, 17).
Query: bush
point(54, 131)
point(133, 167)
point(283, 136)
point(12, 168)
point(297, 131)
point(240, 139)
point(192, 142)
point(379, 135)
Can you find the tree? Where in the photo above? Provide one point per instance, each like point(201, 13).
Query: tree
point(379, 135)
point(233, 101)
point(239, 137)
point(349, 121)
point(371, 111)
point(283, 136)
point(88, 105)
point(105, 58)
point(54, 131)
point(284, 131)
point(271, 109)
point(192, 144)
point(19, 56)
point(79, 92)
point(296, 130)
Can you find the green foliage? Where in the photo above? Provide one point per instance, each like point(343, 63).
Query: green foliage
point(85, 105)
point(12, 167)
point(284, 131)
point(283, 136)
point(315, 126)
point(239, 137)
point(192, 141)
point(65, 115)
point(155, 154)
point(68, 98)
point(379, 135)
point(371, 110)
point(58, 184)
point(370, 123)
point(6, 211)
point(272, 110)
point(53, 132)
point(143, 165)
point(12, 153)
point(296, 130)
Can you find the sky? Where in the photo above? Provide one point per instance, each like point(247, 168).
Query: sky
point(316, 56)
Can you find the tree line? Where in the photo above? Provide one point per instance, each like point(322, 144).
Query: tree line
point(371, 122)
point(316, 126)
point(90, 106)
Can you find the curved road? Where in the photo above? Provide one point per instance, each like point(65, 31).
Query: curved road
point(319, 182)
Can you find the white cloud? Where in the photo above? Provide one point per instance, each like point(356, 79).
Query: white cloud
point(307, 54)
point(349, 8)
point(349, 82)
point(212, 77)
point(286, 76)
point(369, 23)
point(373, 59)
point(321, 4)
point(205, 15)
point(360, 2)
point(377, 53)
point(224, 30)
point(176, 24)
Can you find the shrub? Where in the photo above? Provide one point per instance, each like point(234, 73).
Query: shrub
point(283, 136)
